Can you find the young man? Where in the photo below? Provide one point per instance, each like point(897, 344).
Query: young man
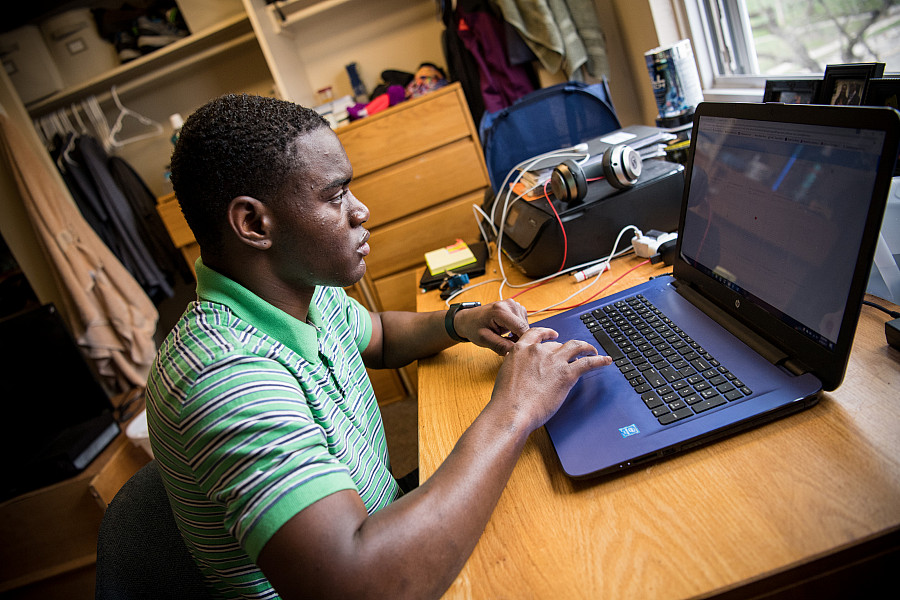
point(261, 415)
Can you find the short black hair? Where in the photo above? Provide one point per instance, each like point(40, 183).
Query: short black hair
point(235, 145)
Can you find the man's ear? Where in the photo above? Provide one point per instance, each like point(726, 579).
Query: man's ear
point(251, 221)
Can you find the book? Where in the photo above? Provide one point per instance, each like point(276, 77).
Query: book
point(449, 257)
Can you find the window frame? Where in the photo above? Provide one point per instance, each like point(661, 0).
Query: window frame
point(694, 23)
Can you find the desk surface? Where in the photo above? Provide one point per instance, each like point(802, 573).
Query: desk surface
point(757, 509)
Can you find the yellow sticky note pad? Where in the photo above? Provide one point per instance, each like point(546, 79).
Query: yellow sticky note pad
point(449, 257)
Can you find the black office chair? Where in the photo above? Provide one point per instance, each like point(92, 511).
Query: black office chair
point(140, 552)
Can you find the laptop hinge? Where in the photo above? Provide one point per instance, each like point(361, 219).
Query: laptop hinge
point(794, 367)
point(756, 342)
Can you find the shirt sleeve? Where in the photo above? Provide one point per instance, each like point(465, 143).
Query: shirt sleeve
point(260, 454)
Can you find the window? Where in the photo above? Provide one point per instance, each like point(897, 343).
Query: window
point(741, 43)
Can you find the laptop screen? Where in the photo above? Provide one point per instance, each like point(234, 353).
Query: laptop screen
point(776, 212)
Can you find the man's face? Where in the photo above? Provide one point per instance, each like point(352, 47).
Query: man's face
point(318, 234)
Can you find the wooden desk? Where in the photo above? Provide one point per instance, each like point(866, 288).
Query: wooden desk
point(809, 504)
point(49, 535)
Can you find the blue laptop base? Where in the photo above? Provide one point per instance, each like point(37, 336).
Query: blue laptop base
point(603, 427)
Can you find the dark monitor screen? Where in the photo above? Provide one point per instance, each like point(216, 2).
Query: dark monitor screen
point(54, 406)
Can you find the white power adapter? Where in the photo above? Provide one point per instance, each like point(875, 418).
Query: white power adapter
point(646, 245)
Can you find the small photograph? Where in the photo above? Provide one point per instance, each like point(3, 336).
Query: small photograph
point(791, 91)
point(845, 85)
point(847, 92)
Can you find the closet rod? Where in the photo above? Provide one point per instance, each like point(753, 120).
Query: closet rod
point(295, 14)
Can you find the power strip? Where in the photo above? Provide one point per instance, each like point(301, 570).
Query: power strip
point(646, 245)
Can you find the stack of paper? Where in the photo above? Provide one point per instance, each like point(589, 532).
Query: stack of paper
point(448, 258)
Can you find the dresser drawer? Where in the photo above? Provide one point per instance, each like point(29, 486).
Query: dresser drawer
point(398, 291)
point(421, 182)
point(407, 130)
point(403, 244)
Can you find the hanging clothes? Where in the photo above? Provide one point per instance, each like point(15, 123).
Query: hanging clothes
point(587, 23)
point(111, 317)
point(149, 223)
point(99, 195)
point(477, 48)
point(83, 192)
point(561, 40)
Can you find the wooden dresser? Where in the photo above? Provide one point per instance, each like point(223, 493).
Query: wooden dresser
point(418, 166)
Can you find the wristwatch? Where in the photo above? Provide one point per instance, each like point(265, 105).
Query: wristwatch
point(448, 318)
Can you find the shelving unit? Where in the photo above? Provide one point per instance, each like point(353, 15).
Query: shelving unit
point(144, 71)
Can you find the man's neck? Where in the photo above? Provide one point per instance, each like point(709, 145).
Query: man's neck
point(259, 279)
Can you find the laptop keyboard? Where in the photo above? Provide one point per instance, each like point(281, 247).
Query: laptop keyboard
point(674, 376)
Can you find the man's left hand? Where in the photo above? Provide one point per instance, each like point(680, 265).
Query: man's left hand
point(496, 326)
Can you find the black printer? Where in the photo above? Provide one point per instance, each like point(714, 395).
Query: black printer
point(532, 237)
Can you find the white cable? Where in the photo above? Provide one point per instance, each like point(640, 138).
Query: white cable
point(605, 262)
point(506, 190)
point(541, 280)
point(576, 150)
point(475, 210)
point(466, 289)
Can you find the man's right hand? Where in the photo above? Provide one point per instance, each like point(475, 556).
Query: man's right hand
point(538, 373)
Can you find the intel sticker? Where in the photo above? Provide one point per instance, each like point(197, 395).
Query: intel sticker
point(630, 430)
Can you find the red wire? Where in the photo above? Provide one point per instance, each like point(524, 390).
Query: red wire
point(561, 228)
point(565, 240)
point(529, 288)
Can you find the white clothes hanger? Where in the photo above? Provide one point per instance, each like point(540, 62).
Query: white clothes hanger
point(68, 133)
point(155, 128)
point(82, 128)
point(42, 132)
point(63, 117)
point(95, 115)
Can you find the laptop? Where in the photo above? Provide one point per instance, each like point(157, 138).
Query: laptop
point(780, 215)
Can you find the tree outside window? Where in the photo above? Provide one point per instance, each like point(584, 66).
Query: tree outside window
point(792, 37)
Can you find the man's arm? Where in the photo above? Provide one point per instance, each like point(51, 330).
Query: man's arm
point(398, 338)
point(415, 547)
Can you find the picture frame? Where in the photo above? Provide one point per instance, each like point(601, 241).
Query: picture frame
point(846, 84)
point(883, 92)
point(792, 91)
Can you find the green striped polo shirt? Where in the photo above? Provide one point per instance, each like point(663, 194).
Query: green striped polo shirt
point(254, 415)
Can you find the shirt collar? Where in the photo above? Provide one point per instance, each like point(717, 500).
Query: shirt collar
point(300, 337)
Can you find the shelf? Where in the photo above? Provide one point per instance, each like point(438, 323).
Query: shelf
point(295, 11)
point(152, 67)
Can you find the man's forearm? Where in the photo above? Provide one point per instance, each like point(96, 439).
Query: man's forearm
point(408, 336)
point(413, 548)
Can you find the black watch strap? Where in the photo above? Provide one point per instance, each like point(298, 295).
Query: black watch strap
point(451, 313)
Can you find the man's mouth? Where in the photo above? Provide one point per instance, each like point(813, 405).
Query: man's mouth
point(364, 246)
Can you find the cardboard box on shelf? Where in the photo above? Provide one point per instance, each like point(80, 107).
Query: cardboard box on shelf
point(27, 61)
point(77, 48)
